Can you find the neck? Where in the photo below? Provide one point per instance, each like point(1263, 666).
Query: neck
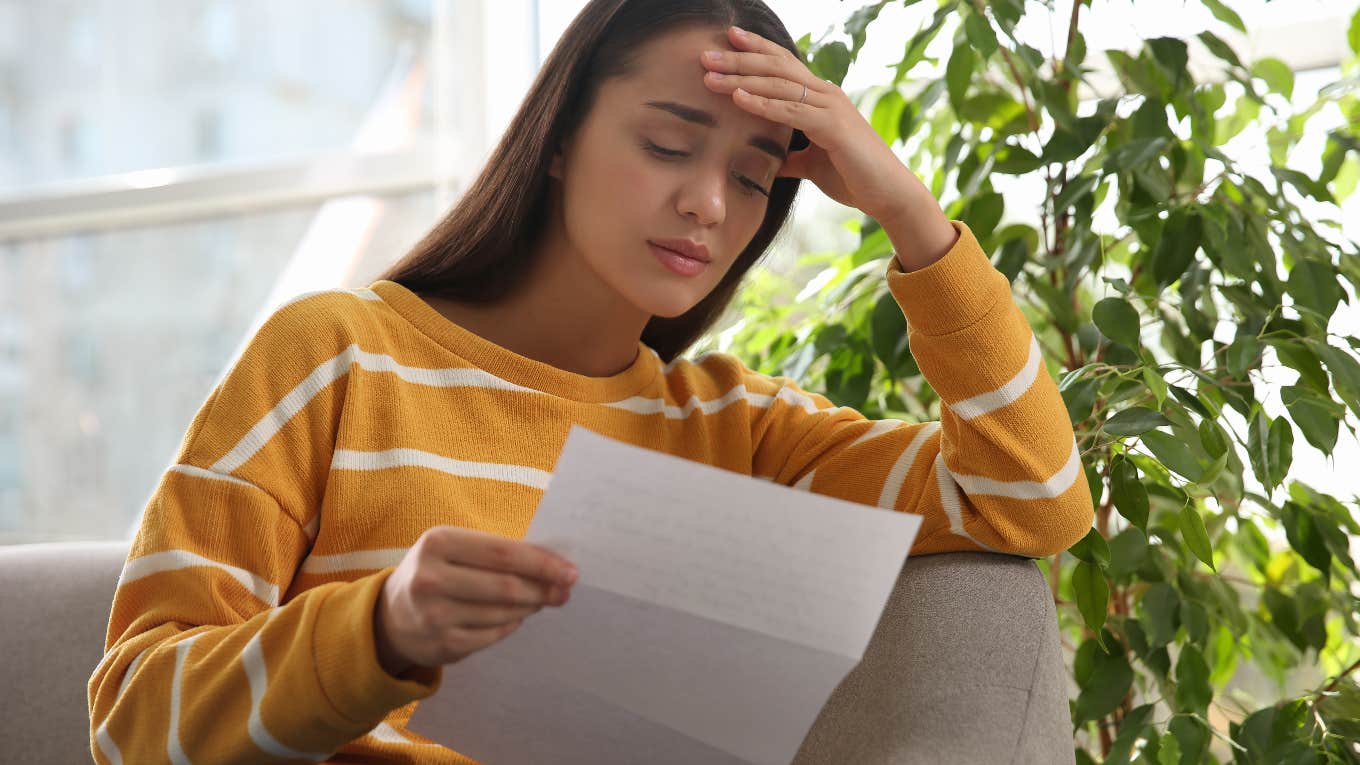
point(561, 314)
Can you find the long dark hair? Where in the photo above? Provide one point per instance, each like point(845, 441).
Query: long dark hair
point(483, 246)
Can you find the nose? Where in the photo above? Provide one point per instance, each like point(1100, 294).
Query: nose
point(703, 197)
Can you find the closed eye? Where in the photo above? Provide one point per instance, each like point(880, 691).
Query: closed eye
point(665, 153)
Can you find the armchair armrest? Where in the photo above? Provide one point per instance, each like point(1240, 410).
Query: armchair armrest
point(965, 666)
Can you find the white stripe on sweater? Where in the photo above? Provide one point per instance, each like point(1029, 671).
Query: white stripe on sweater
point(360, 560)
point(952, 503)
point(172, 744)
point(175, 560)
point(1008, 393)
point(351, 459)
point(328, 372)
point(1061, 481)
point(892, 485)
point(252, 658)
point(107, 747)
point(193, 470)
point(101, 736)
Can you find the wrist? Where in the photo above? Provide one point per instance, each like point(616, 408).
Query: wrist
point(392, 662)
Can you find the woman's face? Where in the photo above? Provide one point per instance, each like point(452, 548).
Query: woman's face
point(660, 156)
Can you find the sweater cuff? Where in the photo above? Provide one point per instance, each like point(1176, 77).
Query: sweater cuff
point(951, 293)
point(346, 654)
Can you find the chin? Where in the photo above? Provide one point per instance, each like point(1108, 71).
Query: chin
point(670, 309)
point(668, 303)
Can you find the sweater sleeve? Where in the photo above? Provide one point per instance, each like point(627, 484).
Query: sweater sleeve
point(999, 471)
point(206, 658)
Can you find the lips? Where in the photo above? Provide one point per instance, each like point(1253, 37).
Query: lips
point(685, 248)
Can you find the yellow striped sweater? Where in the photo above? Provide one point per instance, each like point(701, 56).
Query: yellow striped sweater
point(242, 626)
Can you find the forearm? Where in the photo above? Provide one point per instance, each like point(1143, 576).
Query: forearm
point(920, 232)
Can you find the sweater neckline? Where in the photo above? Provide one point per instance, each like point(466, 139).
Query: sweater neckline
point(512, 367)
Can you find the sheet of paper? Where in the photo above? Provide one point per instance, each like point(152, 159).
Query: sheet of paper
point(714, 615)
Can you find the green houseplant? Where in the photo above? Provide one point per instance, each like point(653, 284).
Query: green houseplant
point(1157, 326)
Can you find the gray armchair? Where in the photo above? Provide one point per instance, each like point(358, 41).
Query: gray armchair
point(964, 667)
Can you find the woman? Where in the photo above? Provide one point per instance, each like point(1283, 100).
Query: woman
point(343, 515)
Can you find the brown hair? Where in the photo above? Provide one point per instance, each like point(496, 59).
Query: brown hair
point(480, 249)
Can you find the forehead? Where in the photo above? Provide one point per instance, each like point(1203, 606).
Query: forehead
point(668, 69)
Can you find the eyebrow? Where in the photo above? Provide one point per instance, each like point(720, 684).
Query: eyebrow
point(707, 119)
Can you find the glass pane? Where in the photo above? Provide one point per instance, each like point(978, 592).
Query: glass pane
point(91, 88)
point(109, 343)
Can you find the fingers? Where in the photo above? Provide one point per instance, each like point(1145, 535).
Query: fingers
point(760, 57)
point(479, 549)
point(482, 586)
point(774, 88)
point(751, 41)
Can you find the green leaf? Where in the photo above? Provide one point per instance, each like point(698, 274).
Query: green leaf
point(831, 62)
point(886, 116)
point(1245, 112)
point(1319, 418)
point(1243, 354)
point(1192, 737)
point(1134, 153)
point(1171, 54)
point(1314, 285)
point(858, 23)
point(1015, 160)
point(1279, 451)
point(1128, 549)
point(1161, 613)
point(1345, 373)
point(1195, 535)
point(959, 74)
point(1135, 421)
point(1130, 497)
point(1212, 438)
point(1150, 120)
point(1196, 621)
point(1075, 188)
point(1175, 249)
point(1225, 655)
point(1167, 751)
point(1153, 379)
point(1258, 433)
point(1305, 536)
point(1298, 355)
point(888, 330)
point(979, 33)
point(1353, 34)
point(1079, 397)
point(1277, 74)
point(916, 47)
point(1109, 682)
point(1174, 454)
point(1117, 320)
point(1226, 15)
point(1219, 48)
point(1193, 691)
point(1092, 592)
point(1092, 548)
point(983, 213)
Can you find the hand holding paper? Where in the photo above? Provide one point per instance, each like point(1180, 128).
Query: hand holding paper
point(714, 615)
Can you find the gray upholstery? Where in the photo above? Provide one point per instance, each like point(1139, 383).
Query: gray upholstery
point(965, 666)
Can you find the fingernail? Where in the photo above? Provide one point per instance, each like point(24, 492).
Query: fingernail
point(713, 55)
point(740, 32)
point(569, 575)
